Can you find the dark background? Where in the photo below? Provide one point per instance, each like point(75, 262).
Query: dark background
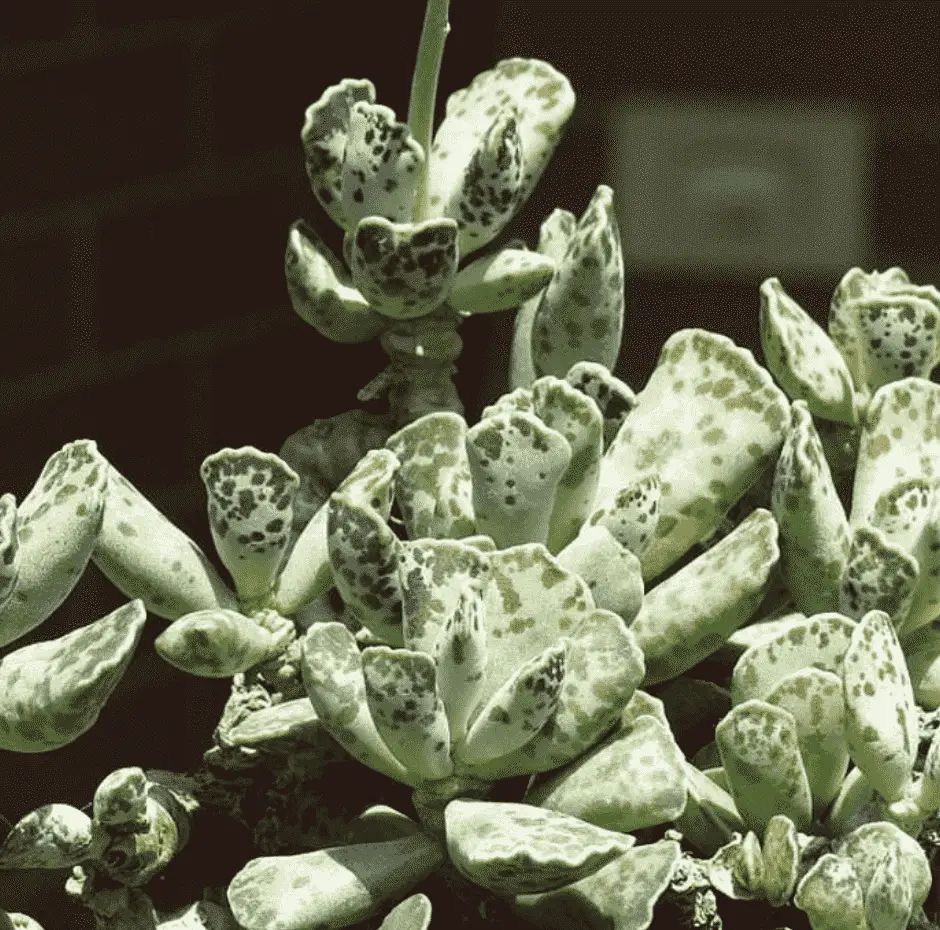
point(150, 165)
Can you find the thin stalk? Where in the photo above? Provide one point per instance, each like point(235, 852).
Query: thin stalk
point(424, 91)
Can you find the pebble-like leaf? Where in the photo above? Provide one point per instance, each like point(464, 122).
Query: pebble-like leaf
point(520, 104)
point(580, 315)
point(633, 514)
point(881, 715)
point(500, 281)
point(333, 678)
point(622, 895)
point(689, 615)
point(802, 357)
point(52, 692)
point(709, 421)
point(710, 817)
point(57, 524)
point(635, 780)
point(614, 398)
point(401, 688)
point(519, 849)
point(324, 136)
point(761, 757)
point(404, 270)
point(413, 913)
point(330, 888)
point(516, 463)
point(433, 487)
point(321, 290)
point(250, 513)
point(814, 533)
point(54, 836)
point(878, 575)
point(780, 853)
point(737, 869)
point(294, 722)
point(888, 898)
point(121, 799)
point(831, 895)
point(381, 165)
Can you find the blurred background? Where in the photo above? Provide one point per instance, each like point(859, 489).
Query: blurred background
point(150, 165)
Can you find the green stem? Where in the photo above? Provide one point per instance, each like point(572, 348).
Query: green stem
point(424, 91)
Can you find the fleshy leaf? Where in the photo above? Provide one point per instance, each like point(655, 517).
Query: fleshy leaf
point(404, 270)
point(820, 641)
point(867, 846)
point(333, 887)
point(530, 102)
point(250, 512)
point(831, 895)
point(614, 398)
point(737, 869)
point(709, 421)
point(401, 688)
point(814, 533)
point(294, 722)
point(146, 556)
point(622, 895)
point(761, 757)
point(381, 165)
point(900, 439)
point(306, 573)
point(554, 234)
point(689, 615)
point(52, 692)
point(710, 818)
point(121, 799)
point(434, 574)
point(363, 554)
point(578, 419)
point(517, 401)
point(781, 856)
point(635, 780)
point(333, 678)
point(321, 290)
point(633, 515)
point(612, 573)
point(413, 913)
point(518, 710)
point(490, 189)
point(324, 136)
point(516, 463)
point(922, 650)
point(216, 643)
point(886, 327)
point(888, 899)
point(814, 698)
point(54, 836)
point(519, 849)
point(881, 716)
point(433, 487)
point(878, 576)
point(802, 357)
point(500, 281)
point(57, 524)
point(202, 915)
point(580, 315)
point(9, 550)
point(604, 665)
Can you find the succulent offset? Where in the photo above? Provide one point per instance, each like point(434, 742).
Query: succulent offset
point(521, 626)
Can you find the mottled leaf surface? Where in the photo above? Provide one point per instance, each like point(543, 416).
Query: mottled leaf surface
point(54, 836)
point(499, 281)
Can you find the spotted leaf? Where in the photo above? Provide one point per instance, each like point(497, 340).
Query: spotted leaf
point(781, 856)
point(881, 716)
point(519, 849)
point(333, 679)
point(321, 290)
point(877, 576)
point(622, 895)
point(401, 688)
point(831, 895)
point(761, 757)
point(55, 836)
point(510, 114)
point(710, 818)
point(57, 524)
point(9, 550)
point(405, 270)
point(613, 397)
point(632, 516)
point(500, 281)
point(52, 692)
point(814, 533)
point(333, 887)
point(888, 899)
point(121, 799)
point(433, 487)
point(580, 315)
point(516, 463)
point(802, 357)
point(324, 135)
point(690, 614)
point(922, 651)
point(709, 421)
point(290, 722)
point(737, 869)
